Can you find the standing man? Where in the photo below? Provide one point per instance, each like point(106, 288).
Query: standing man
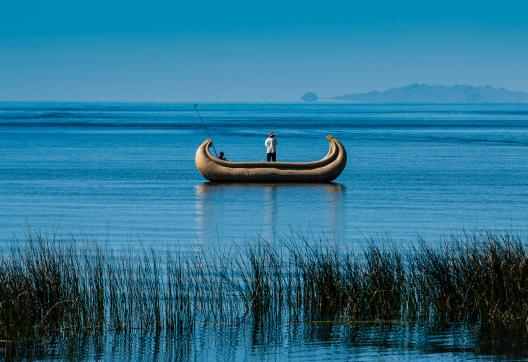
point(271, 147)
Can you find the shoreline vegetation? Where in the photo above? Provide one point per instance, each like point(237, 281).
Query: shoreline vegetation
point(50, 286)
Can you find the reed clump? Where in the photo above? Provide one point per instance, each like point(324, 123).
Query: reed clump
point(331, 284)
point(53, 286)
point(476, 277)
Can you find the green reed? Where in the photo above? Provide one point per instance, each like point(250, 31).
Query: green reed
point(53, 286)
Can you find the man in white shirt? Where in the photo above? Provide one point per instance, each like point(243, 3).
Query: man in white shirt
point(271, 147)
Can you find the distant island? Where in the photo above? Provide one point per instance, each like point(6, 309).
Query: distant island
point(309, 97)
point(423, 93)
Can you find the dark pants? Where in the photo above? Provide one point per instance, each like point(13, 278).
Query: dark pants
point(271, 157)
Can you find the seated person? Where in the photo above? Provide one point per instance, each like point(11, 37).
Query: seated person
point(221, 156)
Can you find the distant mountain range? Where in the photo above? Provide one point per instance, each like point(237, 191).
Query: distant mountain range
point(423, 93)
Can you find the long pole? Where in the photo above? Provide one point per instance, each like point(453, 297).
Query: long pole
point(205, 127)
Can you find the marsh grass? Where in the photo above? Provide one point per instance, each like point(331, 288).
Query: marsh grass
point(50, 286)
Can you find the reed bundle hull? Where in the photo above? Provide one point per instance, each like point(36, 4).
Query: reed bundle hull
point(325, 170)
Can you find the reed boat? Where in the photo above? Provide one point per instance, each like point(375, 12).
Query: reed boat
point(325, 170)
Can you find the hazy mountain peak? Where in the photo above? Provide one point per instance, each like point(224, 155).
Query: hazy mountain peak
point(424, 93)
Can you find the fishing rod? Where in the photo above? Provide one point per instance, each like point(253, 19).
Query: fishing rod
point(205, 127)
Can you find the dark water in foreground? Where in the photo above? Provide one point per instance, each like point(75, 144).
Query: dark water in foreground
point(124, 174)
point(298, 342)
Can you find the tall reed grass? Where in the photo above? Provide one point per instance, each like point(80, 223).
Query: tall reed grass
point(53, 286)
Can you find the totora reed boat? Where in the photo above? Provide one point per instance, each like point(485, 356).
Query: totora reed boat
point(324, 170)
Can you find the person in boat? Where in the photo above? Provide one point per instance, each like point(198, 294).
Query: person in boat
point(271, 147)
point(221, 156)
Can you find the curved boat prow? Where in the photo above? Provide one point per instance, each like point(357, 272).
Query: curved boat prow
point(325, 170)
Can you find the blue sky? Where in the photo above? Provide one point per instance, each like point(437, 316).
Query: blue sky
point(254, 51)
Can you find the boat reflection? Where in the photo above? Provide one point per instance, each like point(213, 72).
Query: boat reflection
point(230, 211)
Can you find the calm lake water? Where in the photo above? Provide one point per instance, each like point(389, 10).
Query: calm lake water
point(124, 174)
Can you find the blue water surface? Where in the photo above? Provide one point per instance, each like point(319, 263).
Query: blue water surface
point(124, 173)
